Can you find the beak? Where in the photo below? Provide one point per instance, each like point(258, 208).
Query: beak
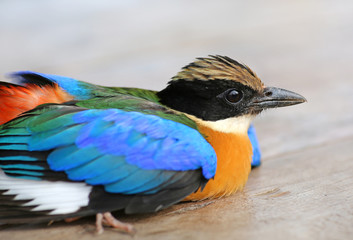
point(276, 97)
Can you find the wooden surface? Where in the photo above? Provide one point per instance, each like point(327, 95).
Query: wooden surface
point(303, 190)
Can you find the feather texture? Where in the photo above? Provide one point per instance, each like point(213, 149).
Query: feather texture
point(129, 139)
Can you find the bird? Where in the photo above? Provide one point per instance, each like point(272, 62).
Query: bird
point(70, 149)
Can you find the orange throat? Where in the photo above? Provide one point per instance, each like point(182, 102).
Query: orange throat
point(234, 153)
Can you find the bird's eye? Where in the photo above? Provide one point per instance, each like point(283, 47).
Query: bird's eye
point(234, 96)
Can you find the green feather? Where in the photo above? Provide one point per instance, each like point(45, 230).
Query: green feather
point(136, 100)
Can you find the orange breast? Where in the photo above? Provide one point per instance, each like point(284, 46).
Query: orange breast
point(15, 99)
point(234, 153)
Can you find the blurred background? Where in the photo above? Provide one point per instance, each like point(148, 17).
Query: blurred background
point(304, 45)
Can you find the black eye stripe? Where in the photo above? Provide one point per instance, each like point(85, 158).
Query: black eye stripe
point(207, 100)
point(233, 96)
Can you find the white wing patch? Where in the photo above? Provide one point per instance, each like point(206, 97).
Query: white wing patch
point(58, 197)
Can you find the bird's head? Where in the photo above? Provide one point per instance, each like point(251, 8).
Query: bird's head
point(222, 93)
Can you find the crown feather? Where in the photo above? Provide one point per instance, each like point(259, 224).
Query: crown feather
point(221, 68)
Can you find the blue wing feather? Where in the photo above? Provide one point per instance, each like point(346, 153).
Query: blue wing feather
point(54, 138)
point(178, 155)
point(72, 86)
point(23, 158)
point(256, 158)
point(14, 139)
point(95, 168)
point(71, 156)
point(22, 166)
point(18, 147)
point(152, 185)
point(113, 175)
point(24, 172)
point(132, 181)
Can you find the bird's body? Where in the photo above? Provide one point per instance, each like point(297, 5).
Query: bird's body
point(70, 148)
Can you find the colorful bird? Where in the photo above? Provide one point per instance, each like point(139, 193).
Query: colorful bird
point(70, 149)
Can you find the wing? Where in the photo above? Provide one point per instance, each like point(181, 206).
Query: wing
point(66, 160)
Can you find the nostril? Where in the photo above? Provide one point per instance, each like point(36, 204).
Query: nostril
point(268, 94)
